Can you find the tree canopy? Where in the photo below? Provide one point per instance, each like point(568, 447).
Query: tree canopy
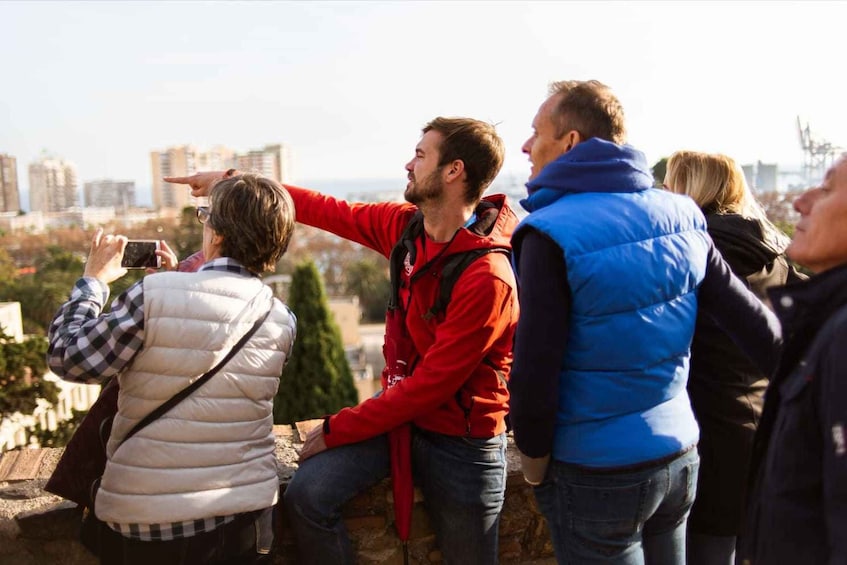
point(22, 365)
point(659, 170)
point(368, 279)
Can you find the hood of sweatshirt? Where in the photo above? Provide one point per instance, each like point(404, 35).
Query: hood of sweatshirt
point(746, 241)
point(594, 165)
point(493, 226)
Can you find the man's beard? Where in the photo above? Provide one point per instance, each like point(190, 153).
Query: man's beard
point(429, 188)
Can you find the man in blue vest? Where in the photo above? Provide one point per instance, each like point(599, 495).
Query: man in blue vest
point(611, 274)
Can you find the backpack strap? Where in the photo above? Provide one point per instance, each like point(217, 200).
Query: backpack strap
point(406, 244)
point(453, 268)
point(454, 265)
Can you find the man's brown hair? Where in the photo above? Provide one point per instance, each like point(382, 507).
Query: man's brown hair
point(255, 217)
point(476, 144)
point(590, 108)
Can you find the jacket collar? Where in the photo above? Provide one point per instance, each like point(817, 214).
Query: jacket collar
point(594, 165)
point(496, 220)
point(805, 305)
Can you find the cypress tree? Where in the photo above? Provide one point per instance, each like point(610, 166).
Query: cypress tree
point(317, 380)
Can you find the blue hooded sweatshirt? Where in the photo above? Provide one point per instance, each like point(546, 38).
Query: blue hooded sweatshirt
point(635, 257)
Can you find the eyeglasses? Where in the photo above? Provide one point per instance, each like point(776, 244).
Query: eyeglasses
point(203, 214)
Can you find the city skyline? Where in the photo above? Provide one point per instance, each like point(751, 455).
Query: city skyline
point(348, 85)
point(255, 160)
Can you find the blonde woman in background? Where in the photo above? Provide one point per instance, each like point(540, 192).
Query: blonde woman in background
point(726, 389)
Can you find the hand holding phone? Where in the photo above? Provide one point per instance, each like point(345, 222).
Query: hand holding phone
point(104, 258)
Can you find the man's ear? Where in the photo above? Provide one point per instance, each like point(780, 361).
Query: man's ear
point(453, 171)
point(570, 140)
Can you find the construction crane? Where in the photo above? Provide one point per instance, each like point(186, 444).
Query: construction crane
point(818, 154)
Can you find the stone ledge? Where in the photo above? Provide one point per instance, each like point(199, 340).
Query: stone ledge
point(38, 528)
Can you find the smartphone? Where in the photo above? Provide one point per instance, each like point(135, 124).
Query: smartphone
point(141, 254)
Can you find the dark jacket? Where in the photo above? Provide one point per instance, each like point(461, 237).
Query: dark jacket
point(798, 502)
point(726, 389)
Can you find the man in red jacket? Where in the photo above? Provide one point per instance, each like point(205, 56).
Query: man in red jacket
point(458, 360)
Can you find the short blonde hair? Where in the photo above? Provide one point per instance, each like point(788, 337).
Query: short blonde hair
point(714, 181)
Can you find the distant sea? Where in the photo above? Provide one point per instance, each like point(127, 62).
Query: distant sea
point(341, 188)
point(509, 183)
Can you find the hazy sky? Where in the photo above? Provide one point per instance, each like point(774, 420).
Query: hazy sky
point(348, 85)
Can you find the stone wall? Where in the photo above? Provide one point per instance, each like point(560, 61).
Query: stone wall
point(37, 528)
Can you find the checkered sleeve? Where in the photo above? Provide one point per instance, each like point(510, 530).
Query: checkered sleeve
point(87, 345)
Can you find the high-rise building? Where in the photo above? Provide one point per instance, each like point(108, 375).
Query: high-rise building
point(180, 161)
point(766, 177)
point(761, 177)
point(52, 185)
point(272, 161)
point(118, 194)
point(749, 175)
point(10, 196)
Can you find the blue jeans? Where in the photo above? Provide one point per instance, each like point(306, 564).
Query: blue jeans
point(463, 481)
point(629, 518)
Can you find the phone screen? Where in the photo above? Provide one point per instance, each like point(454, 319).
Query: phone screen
point(141, 255)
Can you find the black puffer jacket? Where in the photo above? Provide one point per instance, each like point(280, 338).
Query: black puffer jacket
point(798, 504)
point(726, 389)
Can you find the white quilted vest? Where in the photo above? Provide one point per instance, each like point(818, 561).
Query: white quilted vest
point(213, 453)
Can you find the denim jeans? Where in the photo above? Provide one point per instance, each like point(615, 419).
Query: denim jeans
point(630, 517)
point(463, 481)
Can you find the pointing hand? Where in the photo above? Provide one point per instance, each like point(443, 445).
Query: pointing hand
point(201, 183)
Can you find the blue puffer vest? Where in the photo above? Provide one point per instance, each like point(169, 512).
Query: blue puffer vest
point(635, 257)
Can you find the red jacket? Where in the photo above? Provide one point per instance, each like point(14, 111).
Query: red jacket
point(464, 355)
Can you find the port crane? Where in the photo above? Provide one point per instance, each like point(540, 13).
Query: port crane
point(818, 154)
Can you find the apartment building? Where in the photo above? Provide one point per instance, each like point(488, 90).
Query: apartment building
point(106, 193)
point(52, 185)
point(10, 196)
point(180, 161)
point(272, 161)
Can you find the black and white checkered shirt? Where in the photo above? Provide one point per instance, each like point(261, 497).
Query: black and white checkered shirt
point(86, 347)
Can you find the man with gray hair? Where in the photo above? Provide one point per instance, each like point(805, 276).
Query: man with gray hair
point(611, 274)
